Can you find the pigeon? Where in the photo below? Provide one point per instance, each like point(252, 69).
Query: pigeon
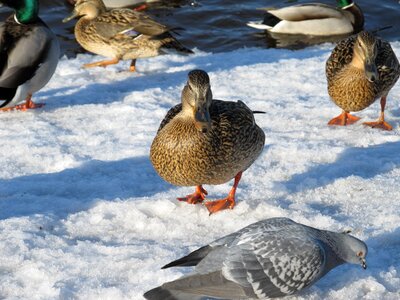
point(272, 258)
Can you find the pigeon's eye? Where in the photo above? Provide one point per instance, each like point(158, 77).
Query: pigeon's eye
point(360, 253)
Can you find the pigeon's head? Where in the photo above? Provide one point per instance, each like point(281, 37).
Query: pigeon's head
point(355, 251)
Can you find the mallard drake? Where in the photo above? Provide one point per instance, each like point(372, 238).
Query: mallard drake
point(206, 141)
point(361, 69)
point(29, 53)
point(313, 19)
point(120, 33)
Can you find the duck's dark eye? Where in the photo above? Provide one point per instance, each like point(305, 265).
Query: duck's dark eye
point(360, 253)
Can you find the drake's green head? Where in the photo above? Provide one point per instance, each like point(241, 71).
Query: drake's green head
point(343, 4)
point(26, 11)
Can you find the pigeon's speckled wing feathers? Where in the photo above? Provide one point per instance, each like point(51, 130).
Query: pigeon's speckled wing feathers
point(271, 258)
point(272, 264)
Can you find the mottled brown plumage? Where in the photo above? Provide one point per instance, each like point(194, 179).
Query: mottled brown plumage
point(187, 152)
point(361, 69)
point(121, 34)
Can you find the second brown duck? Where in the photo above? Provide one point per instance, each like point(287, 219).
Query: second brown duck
point(206, 141)
point(361, 69)
point(120, 34)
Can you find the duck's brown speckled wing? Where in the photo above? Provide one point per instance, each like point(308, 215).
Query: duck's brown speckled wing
point(340, 57)
point(118, 21)
point(170, 115)
point(388, 66)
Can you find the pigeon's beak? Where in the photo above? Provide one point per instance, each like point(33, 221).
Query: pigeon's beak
point(363, 263)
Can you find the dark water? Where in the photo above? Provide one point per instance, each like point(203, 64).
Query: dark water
point(219, 25)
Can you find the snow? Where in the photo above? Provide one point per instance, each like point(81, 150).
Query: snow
point(83, 215)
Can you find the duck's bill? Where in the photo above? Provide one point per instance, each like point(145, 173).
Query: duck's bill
point(371, 71)
point(202, 118)
point(72, 16)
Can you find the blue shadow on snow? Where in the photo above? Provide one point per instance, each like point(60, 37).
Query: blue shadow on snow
point(76, 189)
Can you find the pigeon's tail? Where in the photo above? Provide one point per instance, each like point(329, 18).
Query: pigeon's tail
point(161, 293)
point(194, 287)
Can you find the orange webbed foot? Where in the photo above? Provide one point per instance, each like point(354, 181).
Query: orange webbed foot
point(29, 104)
point(379, 124)
point(218, 205)
point(344, 119)
point(197, 197)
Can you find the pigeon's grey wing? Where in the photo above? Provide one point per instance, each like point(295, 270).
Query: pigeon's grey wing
point(264, 226)
point(191, 259)
point(20, 64)
point(275, 265)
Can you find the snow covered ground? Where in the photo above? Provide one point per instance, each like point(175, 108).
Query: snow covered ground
point(83, 215)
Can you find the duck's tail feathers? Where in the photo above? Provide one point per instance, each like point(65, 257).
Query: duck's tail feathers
point(173, 46)
point(268, 23)
point(191, 259)
point(258, 25)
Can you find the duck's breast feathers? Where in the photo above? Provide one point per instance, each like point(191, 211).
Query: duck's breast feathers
point(126, 21)
point(308, 11)
point(22, 49)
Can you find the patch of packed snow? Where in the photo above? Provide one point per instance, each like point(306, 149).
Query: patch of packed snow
point(83, 215)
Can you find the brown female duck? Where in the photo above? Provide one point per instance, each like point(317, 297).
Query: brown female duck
point(122, 34)
point(206, 141)
point(361, 69)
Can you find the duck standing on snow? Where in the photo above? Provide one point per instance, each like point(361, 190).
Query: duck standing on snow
point(269, 259)
point(315, 19)
point(119, 3)
point(120, 33)
point(29, 53)
point(361, 69)
point(206, 141)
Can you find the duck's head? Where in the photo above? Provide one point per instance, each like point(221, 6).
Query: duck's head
point(364, 55)
point(344, 4)
point(89, 9)
point(197, 98)
point(26, 11)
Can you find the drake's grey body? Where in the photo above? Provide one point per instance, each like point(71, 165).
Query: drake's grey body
point(29, 55)
point(268, 259)
point(314, 19)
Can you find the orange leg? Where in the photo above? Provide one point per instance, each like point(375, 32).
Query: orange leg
point(140, 7)
point(103, 63)
point(29, 104)
point(228, 202)
point(345, 118)
point(132, 67)
point(197, 197)
point(381, 121)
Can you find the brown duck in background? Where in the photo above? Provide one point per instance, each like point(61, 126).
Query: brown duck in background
point(122, 34)
point(206, 141)
point(361, 69)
